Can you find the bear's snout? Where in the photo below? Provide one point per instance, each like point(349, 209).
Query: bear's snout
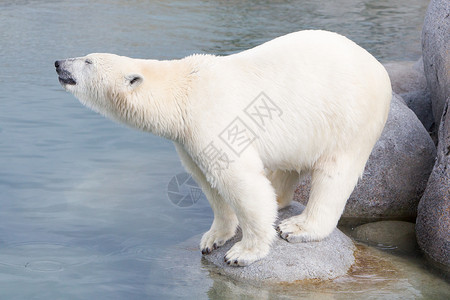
point(64, 76)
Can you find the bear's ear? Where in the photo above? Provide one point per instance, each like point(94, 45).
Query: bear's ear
point(134, 80)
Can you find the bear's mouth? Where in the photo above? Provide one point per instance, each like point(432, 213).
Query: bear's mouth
point(66, 80)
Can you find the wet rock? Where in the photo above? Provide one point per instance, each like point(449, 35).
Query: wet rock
point(375, 274)
point(393, 235)
point(408, 80)
point(433, 218)
point(288, 262)
point(396, 174)
point(436, 54)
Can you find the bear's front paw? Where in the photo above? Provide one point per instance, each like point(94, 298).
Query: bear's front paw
point(241, 255)
point(213, 239)
point(296, 229)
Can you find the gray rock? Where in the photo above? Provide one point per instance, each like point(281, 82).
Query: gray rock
point(408, 80)
point(433, 218)
point(436, 53)
point(420, 103)
point(406, 76)
point(393, 235)
point(396, 174)
point(288, 262)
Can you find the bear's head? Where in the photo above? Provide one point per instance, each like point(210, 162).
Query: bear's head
point(106, 83)
point(146, 94)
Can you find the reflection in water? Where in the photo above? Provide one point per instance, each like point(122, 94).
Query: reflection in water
point(84, 210)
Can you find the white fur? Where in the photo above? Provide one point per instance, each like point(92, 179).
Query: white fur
point(331, 102)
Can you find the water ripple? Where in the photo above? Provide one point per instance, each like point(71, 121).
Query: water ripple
point(45, 257)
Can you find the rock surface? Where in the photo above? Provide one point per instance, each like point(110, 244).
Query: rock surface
point(288, 262)
point(394, 235)
point(433, 218)
point(420, 103)
point(406, 76)
point(396, 173)
point(409, 82)
point(436, 54)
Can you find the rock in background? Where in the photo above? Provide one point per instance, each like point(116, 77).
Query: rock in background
point(436, 54)
point(433, 219)
point(420, 103)
point(406, 76)
point(288, 262)
point(409, 82)
point(396, 173)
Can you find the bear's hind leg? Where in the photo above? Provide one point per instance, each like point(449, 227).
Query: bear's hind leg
point(333, 180)
point(284, 183)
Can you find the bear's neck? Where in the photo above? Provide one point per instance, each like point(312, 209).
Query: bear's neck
point(164, 110)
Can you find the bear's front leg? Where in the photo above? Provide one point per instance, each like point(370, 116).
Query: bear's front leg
point(250, 194)
point(224, 225)
point(225, 222)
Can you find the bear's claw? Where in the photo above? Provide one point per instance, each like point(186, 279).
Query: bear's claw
point(207, 250)
point(284, 235)
point(232, 263)
point(242, 255)
point(213, 239)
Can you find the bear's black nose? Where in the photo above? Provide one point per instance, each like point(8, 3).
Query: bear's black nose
point(57, 64)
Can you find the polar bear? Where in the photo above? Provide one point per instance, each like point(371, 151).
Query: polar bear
point(248, 125)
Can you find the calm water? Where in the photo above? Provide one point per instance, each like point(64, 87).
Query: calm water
point(84, 212)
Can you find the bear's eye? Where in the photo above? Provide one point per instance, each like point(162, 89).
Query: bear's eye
point(88, 61)
point(134, 80)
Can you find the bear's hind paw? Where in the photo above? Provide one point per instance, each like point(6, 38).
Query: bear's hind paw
point(296, 230)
